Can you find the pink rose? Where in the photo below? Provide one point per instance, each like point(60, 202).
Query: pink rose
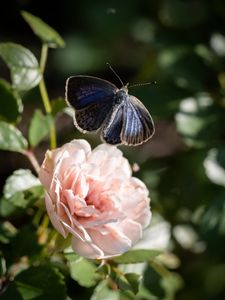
point(92, 195)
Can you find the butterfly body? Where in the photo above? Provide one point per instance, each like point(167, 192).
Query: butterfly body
point(100, 105)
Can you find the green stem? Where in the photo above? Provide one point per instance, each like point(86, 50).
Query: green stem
point(45, 97)
point(44, 55)
point(33, 160)
point(44, 94)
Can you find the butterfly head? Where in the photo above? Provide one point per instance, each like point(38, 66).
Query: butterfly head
point(125, 88)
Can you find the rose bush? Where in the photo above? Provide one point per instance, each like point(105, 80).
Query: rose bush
point(93, 196)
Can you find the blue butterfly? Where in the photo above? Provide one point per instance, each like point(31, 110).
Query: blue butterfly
point(100, 105)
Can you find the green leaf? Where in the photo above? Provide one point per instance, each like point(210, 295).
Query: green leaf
point(11, 139)
point(134, 281)
point(102, 291)
point(62, 243)
point(28, 292)
point(33, 194)
point(25, 243)
point(184, 66)
point(2, 265)
point(160, 282)
point(18, 203)
point(153, 282)
point(39, 127)
point(46, 33)
point(123, 283)
point(136, 256)
point(7, 232)
point(83, 271)
point(24, 67)
point(58, 105)
point(13, 205)
point(42, 282)
point(11, 105)
point(199, 121)
point(20, 180)
point(212, 222)
point(215, 165)
point(172, 283)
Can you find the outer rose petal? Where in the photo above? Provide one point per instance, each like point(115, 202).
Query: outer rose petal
point(54, 217)
point(86, 249)
point(92, 196)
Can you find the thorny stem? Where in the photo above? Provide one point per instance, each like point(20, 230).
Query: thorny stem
point(44, 94)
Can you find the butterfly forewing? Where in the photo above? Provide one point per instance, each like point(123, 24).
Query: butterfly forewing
point(138, 125)
point(92, 99)
point(82, 91)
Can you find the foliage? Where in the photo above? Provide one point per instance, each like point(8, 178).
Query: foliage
point(181, 45)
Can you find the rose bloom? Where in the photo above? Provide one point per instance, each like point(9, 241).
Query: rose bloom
point(93, 196)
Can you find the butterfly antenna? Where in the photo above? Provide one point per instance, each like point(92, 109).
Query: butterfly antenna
point(114, 72)
point(140, 84)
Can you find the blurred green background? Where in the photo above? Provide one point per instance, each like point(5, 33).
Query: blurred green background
point(181, 45)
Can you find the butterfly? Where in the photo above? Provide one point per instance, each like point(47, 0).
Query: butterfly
point(99, 105)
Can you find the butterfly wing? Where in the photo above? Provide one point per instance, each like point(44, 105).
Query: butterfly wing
point(138, 125)
point(113, 127)
point(82, 91)
point(92, 117)
point(92, 99)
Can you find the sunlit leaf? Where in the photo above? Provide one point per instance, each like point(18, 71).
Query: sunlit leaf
point(172, 283)
point(83, 271)
point(17, 204)
point(198, 120)
point(24, 67)
point(102, 291)
point(185, 236)
point(46, 33)
point(39, 127)
point(11, 139)
point(2, 265)
point(215, 165)
point(11, 105)
point(136, 256)
point(7, 232)
point(20, 180)
point(217, 43)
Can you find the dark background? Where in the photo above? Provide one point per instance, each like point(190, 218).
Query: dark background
point(181, 45)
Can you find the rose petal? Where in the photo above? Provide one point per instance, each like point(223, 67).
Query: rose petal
point(88, 250)
point(112, 243)
point(54, 216)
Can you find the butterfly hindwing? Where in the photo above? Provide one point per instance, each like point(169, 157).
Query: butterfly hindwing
point(93, 117)
point(82, 91)
point(138, 125)
point(112, 129)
